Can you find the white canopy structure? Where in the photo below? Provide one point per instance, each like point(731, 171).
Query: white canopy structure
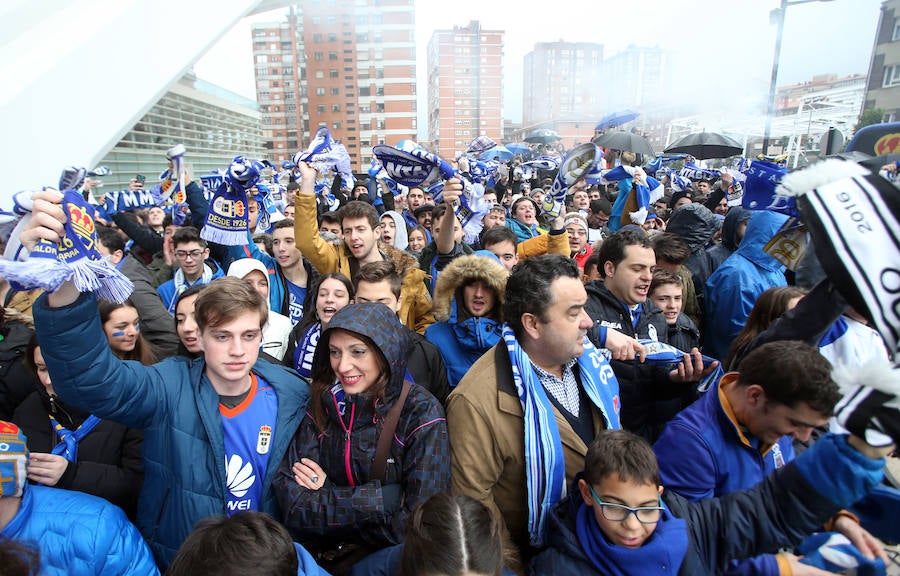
point(79, 73)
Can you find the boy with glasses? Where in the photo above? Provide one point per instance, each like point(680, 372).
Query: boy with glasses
point(618, 519)
point(193, 266)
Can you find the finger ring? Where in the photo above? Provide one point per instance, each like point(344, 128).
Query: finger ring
point(314, 478)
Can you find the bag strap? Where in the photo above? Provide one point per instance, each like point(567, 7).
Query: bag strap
point(379, 465)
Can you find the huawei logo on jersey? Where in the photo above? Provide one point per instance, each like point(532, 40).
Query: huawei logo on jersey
point(239, 477)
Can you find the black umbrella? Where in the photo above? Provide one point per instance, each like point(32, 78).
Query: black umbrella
point(542, 136)
point(703, 145)
point(625, 141)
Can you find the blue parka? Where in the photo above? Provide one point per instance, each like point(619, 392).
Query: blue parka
point(78, 534)
point(461, 337)
point(178, 409)
point(733, 288)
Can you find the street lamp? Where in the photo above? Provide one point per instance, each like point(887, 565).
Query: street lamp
point(776, 16)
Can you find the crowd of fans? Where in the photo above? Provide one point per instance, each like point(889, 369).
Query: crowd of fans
point(365, 387)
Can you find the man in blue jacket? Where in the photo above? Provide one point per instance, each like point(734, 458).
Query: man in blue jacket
point(733, 437)
point(733, 288)
point(211, 425)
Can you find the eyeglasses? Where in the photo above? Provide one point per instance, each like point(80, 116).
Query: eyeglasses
point(619, 512)
point(184, 254)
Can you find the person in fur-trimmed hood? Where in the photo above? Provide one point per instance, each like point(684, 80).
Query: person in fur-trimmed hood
point(468, 304)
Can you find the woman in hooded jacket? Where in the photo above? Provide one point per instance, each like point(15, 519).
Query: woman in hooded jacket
point(333, 497)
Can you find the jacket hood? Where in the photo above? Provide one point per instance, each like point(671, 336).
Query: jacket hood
point(736, 215)
point(401, 236)
point(694, 223)
point(459, 272)
point(761, 227)
point(379, 325)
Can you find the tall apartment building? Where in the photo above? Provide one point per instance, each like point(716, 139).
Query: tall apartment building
point(351, 67)
point(638, 76)
point(883, 90)
point(465, 91)
point(212, 123)
point(562, 79)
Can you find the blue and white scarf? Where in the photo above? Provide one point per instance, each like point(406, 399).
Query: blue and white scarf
point(695, 172)
point(226, 221)
point(181, 283)
point(421, 168)
point(303, 355)
point(665, 355)
point(75, 257)
point(545, 465)
point(578, 163)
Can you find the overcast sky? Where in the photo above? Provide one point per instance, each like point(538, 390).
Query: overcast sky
point(727, 44)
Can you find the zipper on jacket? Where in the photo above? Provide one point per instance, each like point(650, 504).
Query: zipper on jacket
point(347, 433)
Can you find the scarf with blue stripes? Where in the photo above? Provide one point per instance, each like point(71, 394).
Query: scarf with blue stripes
point(545, 465)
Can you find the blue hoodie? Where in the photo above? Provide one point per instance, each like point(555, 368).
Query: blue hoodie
point(733, 288)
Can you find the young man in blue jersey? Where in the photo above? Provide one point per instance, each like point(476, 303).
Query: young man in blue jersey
point(211, 425)
point(290, 274)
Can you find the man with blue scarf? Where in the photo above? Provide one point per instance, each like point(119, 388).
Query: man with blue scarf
point(521, 419)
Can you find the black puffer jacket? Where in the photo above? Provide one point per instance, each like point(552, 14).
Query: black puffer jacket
point(646, 390)
point(351, 507)
point(16, 381)
point(110, 458)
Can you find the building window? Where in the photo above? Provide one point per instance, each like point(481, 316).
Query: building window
point(332, 55)
point(320, 91)
point(319, 56)
point(336, 125)
point(320, 74)
point(896, 35)
point(335, 91)
point(891, 76)
point(335, 107)
point(317, 38)
point(320, 108)
point(364, 91)
point(332, 73)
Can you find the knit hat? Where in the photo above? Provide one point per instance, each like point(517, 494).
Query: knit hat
point(577, 219)
point(13, 460)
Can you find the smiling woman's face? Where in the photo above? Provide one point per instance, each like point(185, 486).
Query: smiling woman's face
point(332, 296)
